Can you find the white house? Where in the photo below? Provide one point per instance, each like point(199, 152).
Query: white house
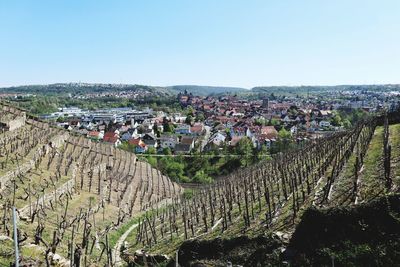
point(182, 129)
point(147, 124)
point(218, 139)
point(168, 141)
point(88, 125)
point(177, 117)
point(134, 124)
point(293, 130)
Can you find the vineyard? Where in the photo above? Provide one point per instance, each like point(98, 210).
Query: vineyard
point(78, 201)
point(70, 193)
point(345, 169)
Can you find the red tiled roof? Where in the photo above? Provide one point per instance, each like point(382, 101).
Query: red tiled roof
point(142, 145)
point(196, 128)
point(111, 139)
point(206, 107)
point(269, 131)
point(187, 140)
point(94, 133)
point(110, 135)
point(135, 142)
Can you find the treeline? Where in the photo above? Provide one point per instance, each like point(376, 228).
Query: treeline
point(79, 89)
point(45, 104)
point(206, 90)
point(203, 167)
point(305, 89)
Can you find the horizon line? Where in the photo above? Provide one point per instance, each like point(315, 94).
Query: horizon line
point(199, 85)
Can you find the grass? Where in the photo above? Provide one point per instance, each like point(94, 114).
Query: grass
point(81, 200)
point(371, 180)
point(394, 136)
point(6, 252)
point(258, 225)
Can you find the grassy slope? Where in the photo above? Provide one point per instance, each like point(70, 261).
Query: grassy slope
point(363, 235)
point(371, 186)
point(395, 142)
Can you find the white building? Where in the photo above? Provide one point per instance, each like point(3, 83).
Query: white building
point(168, 141)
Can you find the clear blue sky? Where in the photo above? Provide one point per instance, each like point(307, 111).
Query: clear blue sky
point(208, 42)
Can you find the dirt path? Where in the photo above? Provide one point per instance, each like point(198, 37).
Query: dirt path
point(116, 251)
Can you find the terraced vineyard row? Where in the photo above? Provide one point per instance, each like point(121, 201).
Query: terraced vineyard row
point(71, 192)
point(271, 195)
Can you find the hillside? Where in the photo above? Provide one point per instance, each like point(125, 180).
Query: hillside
point(87, 88)
point(71, 194)
point(363, 235)
point(89, 202)
point(206, 90)
point(160, 91)
point(346, 169)
point(145, 90)
point(299, 90)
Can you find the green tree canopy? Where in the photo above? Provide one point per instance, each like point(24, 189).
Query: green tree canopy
point(151, 150)
point(263, 153)
point(202, 177)
point(284, 134)
point(244, 149)
point(189, 119)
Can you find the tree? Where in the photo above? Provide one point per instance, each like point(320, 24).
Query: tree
point(152, 161)
point(156, 131)
point(284, 134)
point(190, 111)
point(126, 146)
point(151, 150)
point(61, 119)
point(167, 151)
point(173, 169)
point(346, 124)
point(263, 153)
point(356, 115)
point(273, 122)
point(202, 177)
point(168, 127)
point(189, 119)
point(283, 140)
point(260, 122)
point(153, 106)
point(337, 120)
point(197, 163)
point(200, 116)
point(244, 149)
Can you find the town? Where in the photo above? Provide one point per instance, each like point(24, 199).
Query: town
point(211, 122)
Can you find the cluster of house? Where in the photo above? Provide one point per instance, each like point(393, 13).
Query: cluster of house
point(142, 129)
point(148, 133)
point(225, 121)
point(232, 119)
point(301, 127)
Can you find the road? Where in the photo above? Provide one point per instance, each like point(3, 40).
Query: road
point(206, 137)
point(117, 248)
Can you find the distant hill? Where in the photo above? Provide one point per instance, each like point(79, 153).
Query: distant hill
point(206, 90)
point(87, 88)
point(317, 88)
point(160, 91)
